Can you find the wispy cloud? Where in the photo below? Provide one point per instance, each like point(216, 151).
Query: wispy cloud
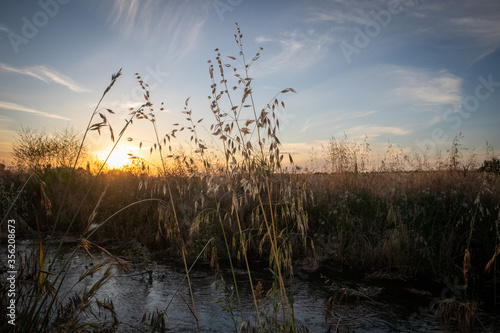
point(386, 99)
point(346, 12)
point(45, 74)
point(263, 39)
point(374, 131)
point(302, 147)
point(426, 87)
point(336, 117)
point(394, 86)
point(483, 33)
point(3, 31)
point(471, 27)
point(468, 26)
point(174, 26)
point(17, 107)
point(336, 16)
point(408, 96)
point(437, 119)
point(298, 50)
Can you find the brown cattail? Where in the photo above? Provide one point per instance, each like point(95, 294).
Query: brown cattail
point(466, 267)
point(45, 201)
point(490, 263)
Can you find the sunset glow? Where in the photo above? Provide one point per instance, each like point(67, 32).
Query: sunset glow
point(117, 160)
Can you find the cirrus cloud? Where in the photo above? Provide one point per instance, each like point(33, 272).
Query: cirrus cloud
point(18, 107)
point(45, 74)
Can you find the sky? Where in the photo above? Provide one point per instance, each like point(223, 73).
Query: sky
point(415, 73)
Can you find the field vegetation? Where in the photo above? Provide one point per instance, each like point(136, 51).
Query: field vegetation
point(412, 217)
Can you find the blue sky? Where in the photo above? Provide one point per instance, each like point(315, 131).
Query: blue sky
point(412, 72)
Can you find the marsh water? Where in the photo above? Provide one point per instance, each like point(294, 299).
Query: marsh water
point(356, 304)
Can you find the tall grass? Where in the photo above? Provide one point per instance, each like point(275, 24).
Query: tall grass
point(40, 305)
point(252, 159)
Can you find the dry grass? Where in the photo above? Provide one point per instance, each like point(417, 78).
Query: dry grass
point(458, 314)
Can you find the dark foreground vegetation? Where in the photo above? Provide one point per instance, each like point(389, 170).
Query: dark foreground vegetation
point(427, 225)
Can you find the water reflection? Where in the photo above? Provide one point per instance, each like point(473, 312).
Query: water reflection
point(354, 305)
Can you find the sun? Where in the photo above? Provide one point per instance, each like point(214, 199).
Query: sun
point(117, 160)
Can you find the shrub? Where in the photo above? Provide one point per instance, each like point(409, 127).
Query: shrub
point(37, 151)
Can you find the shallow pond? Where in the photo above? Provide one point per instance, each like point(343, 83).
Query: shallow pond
point(356, 304)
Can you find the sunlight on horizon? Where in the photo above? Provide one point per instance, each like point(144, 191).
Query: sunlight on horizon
point(117, 160)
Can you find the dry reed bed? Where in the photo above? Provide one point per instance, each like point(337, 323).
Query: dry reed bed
point(415, 223)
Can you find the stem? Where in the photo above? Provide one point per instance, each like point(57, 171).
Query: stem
point(181, 241)
point(114, 77)
point(94, 180)
point(15, 199)
point(243, 248)
point(230, 263)
point(272, 239)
